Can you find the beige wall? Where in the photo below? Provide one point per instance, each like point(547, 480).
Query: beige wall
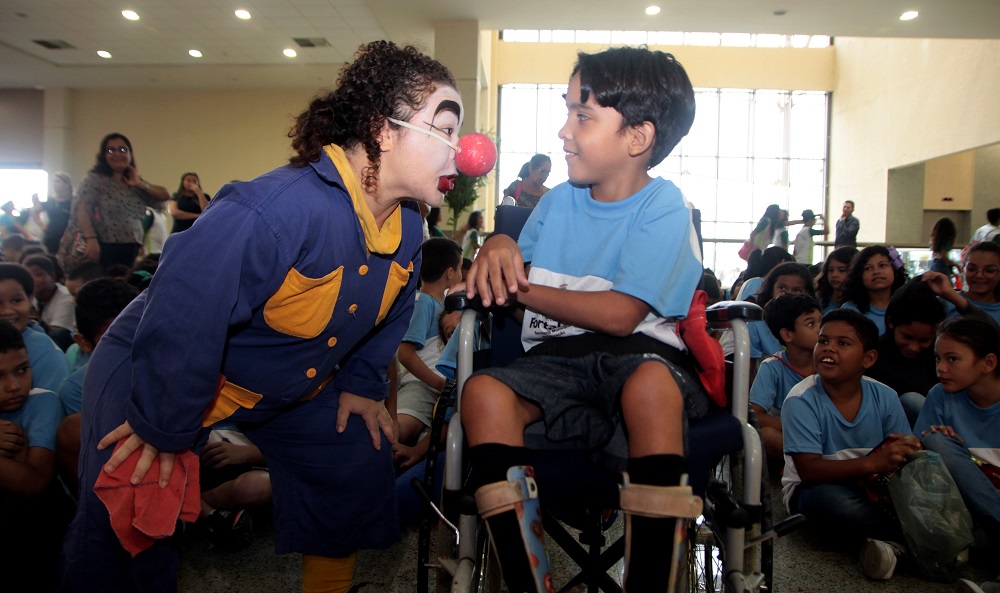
point(710, 67)
point(21, 122)
point(220, 135)
point(901, 101)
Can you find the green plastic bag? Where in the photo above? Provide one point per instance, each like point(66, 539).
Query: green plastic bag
point(935, 521)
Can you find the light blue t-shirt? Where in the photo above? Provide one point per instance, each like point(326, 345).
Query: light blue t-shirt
point(644, 246)
point(750, 288)
point(762, 341)
point(39, 418)
point(48, 362)
point(424, 322)
point(991, 309)
point(829, 307)
point(71, 391)
point(811, 423)
point(874, 313)
point(774, 380)
point(978, 427)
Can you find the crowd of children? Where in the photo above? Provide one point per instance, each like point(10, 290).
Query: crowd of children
point(859, 365)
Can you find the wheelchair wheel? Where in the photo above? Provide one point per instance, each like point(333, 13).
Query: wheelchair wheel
point(704, 563)
point(486, 577)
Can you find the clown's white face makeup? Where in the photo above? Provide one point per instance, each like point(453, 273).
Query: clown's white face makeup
point(420, 166)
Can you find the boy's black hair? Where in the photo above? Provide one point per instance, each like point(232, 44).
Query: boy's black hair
point(783, 310)
point(30, 251)
point(769, 258)
point(914, 302)
point(466, 264)
point(642, 85)
point(14, 241)
point(12, 271)
point(766, 291)
point(43, 262)
point(856, 291)
point(993, 215)
point(439, 254)
point(710, 284)
point(99, 301)
point(978, 332)
point(10, 338)
point(865, 328)
point(87, 271)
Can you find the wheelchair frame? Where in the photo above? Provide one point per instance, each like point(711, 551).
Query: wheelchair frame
point(732, 522)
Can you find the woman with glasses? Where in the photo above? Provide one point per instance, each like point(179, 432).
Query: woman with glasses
point(111, 201)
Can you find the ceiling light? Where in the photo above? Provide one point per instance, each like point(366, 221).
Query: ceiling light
point(130, 15)
point(909, 15)
point(652, 10)
point(194, 53)
point(289, 53)
point(104, 54)
point(242, 14)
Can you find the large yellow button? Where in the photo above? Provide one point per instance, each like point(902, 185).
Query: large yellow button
point(331, 342)
point(363, 270)
point(352, 309)
point(311, 373)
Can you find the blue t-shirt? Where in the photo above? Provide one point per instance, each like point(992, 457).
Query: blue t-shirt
point(48, 362)
point(874, 313)
point(829, 307)
point(811, 423)
point(774, 380)
point(71, 391)
point(39, 418)
point(991, 309)
point(643, 246)
point(977, 426)
point(424, 322)
point(750, 288)
point(762, 341)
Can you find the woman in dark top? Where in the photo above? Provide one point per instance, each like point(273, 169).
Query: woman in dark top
point(57, 209)
point(188, 202)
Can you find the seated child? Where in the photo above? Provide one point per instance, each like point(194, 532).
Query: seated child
point(876, 272)
point(82, 274)
point(419, 384)
point(613, 260)
point(97, 304)
point(784, 278)
point(794, 320)
point(48, 363)
point(32, 525)
point(832, 421)
point(55, 303)
point(12, 246)
point(905, 351)
point(982, 277)
point(234, 477)
point(962, 413)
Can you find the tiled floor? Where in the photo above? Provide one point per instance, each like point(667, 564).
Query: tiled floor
point(803, 564)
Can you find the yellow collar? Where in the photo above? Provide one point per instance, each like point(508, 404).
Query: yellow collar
point(385, 240)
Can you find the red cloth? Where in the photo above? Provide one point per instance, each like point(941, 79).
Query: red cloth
point(706, 350)
point(144, 512)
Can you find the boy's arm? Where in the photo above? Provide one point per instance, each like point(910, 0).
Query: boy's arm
point(497, 272)
point(31, 477)
point(766, 420)
point(408, 357)
point(813, 469)
point(607, 311)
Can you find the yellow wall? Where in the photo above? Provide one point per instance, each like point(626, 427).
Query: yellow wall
point(711, 67)
point(220, 135)
point(900, 101)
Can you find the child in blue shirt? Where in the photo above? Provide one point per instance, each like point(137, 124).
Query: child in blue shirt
point(614, 259)
point(875, 274)
point(794, 320)
point(31, 536)
point(48, 363)
point(832, 421)
point(419, 384)
point(962, 413)
point(785, 278)
point(831, 284)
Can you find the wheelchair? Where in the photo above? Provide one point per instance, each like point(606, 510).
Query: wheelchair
point(728, 548)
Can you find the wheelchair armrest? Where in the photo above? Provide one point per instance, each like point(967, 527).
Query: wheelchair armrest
point(729, 310)
point(458, 301)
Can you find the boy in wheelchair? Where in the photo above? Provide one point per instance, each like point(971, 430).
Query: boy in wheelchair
point(613, 264)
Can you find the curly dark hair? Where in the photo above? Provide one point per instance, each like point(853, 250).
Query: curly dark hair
point(856, 291)
point(102, 167)
point(383, 81)
point(824, 290)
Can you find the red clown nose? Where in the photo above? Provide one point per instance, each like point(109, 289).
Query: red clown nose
point(478, 155)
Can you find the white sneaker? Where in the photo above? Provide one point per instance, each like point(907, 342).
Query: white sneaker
point(967, 586)
point(879, 558)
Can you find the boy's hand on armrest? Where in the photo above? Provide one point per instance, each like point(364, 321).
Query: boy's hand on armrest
point(12, 439)
point(497, 272)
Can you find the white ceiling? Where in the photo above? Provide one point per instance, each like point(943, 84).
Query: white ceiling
point(152, 52)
